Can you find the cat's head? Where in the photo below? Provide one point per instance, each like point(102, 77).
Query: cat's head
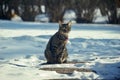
point(65, 27)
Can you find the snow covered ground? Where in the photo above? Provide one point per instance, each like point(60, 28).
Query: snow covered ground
point(22, 47)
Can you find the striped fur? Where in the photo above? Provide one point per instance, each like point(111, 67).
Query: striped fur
point(56, 51)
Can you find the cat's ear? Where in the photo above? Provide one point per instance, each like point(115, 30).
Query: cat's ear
point(60, 23)
point(69, 23)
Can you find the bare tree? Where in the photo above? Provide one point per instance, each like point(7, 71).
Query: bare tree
point(85, 10)
point(55, 9)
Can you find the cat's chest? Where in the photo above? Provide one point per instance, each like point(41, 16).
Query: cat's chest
point(59, 39)
point(62, 40)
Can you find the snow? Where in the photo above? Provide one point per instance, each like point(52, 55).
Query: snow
point(99, 18)
point(16, 18)
point(42, 18)
point(22, 46)
point(43, 8)
point(118, 12)
point(69, 15)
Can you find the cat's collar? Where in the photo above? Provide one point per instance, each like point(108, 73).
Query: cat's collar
point(66, 39)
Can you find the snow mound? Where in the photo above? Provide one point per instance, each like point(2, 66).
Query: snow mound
point(69, 15)
point(98, 18)
point(16, 18)
point(42, 18)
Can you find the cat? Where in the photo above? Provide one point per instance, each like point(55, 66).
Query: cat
point(56, 51)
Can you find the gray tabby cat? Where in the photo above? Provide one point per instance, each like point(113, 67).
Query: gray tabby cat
point(56, 51)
